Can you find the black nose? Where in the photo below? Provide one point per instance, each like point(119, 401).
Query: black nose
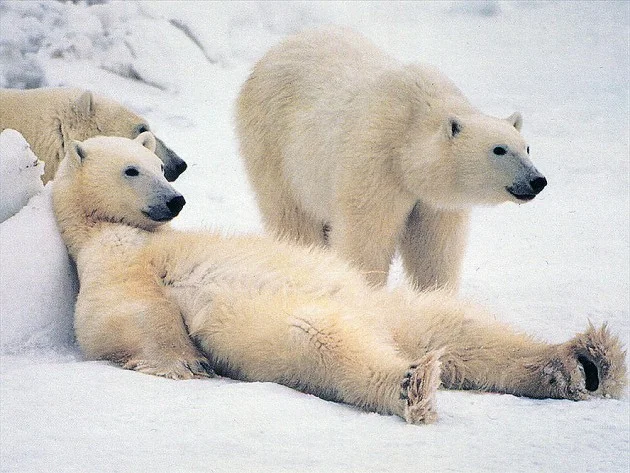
point(173, 170)
point(176, 204)
point(181, 167)
point(538, 184)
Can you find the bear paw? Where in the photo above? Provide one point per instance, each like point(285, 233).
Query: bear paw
point(419, 388)
point(590, 364)
point(564, 378)
point(173, 368)
point(601, 361)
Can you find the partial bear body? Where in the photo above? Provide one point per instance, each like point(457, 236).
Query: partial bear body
point(339, 137)
point(50, 118)
point(186, 304)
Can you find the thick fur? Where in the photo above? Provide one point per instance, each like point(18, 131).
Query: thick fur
point(188, 304)
point(51, 118)
point(344, 145)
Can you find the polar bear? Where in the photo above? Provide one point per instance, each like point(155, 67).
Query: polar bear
point(191, 304)
point(345, 145)
point(50, 118)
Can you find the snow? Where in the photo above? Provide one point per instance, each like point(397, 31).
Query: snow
point(20, 172)
point(38, 282)
point(546, 267)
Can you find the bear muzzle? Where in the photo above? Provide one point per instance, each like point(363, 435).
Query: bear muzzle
point(529, 189)
point(168, 211)
point(176, 204)
point(173, 164)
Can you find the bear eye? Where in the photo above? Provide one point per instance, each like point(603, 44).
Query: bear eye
point(528, 150)
point(142, 128)
point(499, 150)
point(131, 172)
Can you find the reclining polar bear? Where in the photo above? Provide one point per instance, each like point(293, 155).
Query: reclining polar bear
point(188, 304)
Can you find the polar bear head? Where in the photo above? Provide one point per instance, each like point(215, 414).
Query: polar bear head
point(118, 180)
point(473, 159)
point(93, 115)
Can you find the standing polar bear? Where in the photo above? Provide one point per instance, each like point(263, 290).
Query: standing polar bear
point(51, 118)
point(340, 138)
point(187, 304)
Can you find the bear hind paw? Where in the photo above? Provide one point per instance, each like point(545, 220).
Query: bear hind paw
point(602, 360)
point(419, 389)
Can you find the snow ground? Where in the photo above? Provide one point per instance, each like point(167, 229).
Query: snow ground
point(546, 267)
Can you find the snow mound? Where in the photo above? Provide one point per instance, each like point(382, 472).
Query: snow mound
point(20, 173)
point(38, 284)
point(167, 46)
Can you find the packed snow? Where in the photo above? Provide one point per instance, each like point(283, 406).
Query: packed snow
point(20, 173)
point(547, 267)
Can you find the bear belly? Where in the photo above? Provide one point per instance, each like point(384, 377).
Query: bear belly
point(311, 181)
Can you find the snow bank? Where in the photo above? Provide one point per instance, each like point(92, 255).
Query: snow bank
point(20, 172)
point(38, 284)
point(167, 45)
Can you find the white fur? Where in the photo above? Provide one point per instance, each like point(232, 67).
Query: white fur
point(180, 304)
point(337, 135)
point(51, 118)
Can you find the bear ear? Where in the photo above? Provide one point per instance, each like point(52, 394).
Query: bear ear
point(147, 139)
point(516, 120)
point(453, 127)
point(77, 152)
point(84, 105)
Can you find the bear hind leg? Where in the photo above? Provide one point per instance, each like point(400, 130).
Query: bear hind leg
point(281, 212)
point(590, 364)
point(482, 354)
point(364, 372)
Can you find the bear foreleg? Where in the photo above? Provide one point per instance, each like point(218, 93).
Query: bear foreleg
point(135, 325)
point(365, 232)
point(432, 246)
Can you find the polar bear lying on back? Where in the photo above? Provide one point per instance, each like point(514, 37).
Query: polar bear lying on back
point(185, 304)
point(345, 145)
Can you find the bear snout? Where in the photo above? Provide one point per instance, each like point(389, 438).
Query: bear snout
point(538, 184)
point(167, 210)
point(176, 204)
point(174, 168)
point(527, 190)
point(173, 164)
